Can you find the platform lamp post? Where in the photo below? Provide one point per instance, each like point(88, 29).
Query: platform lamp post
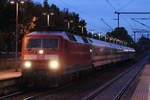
point(99, 36)
point(69, 22)
point(17, 2)
point(110, 39)
point(48, 17)
point(82, 28)
point(45, 14)
point(118, 41)
point(105, 37)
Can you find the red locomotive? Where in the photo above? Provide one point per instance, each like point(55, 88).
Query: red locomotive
point(52, 55)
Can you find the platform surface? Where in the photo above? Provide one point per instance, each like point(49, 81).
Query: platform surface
point(142, 91)
point(8, 74)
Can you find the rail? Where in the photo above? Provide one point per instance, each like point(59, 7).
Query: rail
point(117, 85)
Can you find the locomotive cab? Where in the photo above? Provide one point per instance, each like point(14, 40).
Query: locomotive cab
point(41, 56)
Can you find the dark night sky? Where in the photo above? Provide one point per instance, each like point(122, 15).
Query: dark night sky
point(93, 10)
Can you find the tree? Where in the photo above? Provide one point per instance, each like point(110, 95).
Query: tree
point(7, 25)
point(31, 16)
point(121, 34)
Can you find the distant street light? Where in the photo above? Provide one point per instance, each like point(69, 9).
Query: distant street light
point(48, 19)
point(105, 37)
point(17, 2)
point(82, 28)
point(110, 39)
point(92, 31)
point(117, 41)
point(99, 35)
point(68, 23)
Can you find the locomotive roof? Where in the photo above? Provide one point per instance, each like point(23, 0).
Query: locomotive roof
point(63, 34)
point(90, 40)
point(45, 33)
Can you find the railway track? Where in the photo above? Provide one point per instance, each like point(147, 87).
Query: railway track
point(53, 92)
point(11, 95)
point(8, 86)
point(36, 95)
point(32, 93)
point(115, 88)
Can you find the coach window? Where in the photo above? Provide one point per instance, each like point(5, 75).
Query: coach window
point(79, 39)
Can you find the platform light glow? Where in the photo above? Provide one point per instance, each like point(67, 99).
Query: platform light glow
point(22, 1)
point(41, 51)
point(27, 64)
point(12, 2)
point(54, 65)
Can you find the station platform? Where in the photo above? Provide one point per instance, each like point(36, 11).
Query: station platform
point(9, 74)
point(142, 90)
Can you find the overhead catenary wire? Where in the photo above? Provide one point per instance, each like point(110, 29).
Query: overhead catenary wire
point(136, 30)
point(143, 18)
point(66, 4)
point(147, 26)
point(77, 10)
point(129, 25)
point(106, 24)
point(127, 4)
point(110, 4)
point(120, 8)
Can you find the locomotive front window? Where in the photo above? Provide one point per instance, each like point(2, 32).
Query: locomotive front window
point(34, 43)
point(44, 43)
point(50, 43)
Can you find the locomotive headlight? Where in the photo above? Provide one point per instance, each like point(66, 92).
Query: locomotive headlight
point(54, 64)
point(41, 51)
point(27, 64)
